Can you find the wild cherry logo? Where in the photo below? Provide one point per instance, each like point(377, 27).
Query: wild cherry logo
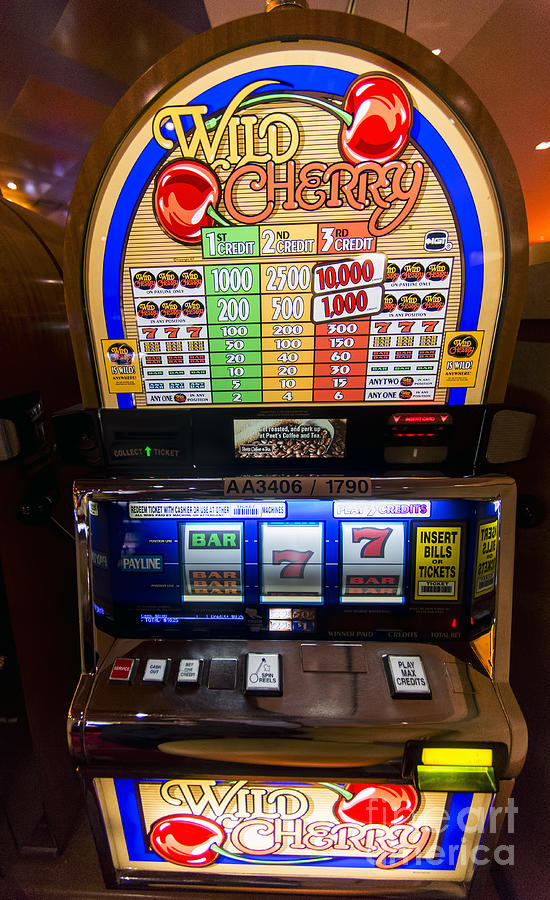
point(194, 309)
point(190, 278)
point(409, 303)
point(413, 271)
point(375, 119)
point(168, 280)
point(462, 346)
point(147, 309)
point(437, 271)
point(433, 302)
point(121, 354)
point(171, 309)
point(392, 272)
point(274, 825)
point(144, 281)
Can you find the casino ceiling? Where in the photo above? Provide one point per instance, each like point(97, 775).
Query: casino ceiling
point(65, 64)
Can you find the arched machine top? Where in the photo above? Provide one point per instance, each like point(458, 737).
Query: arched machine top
point(285, 180)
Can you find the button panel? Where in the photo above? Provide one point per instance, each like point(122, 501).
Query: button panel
point(123, 670)
point(406, 677)
point(405, 673)
point(263, 673)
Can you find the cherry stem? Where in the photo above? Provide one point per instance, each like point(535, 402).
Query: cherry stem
point(342, 114)
point(214, 214)
point(347, 795)
point(270, 862)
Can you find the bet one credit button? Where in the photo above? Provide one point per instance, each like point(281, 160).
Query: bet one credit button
point(406, 677)
point(188, 671)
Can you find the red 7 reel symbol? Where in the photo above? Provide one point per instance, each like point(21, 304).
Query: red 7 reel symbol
point(376, 540)
point(296, 560)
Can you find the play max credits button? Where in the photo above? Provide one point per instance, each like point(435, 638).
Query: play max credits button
point(407, 678)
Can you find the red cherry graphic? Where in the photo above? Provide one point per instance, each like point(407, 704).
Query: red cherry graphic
point(185, 194)
point(381, 119)
point(187, 840)
point(376, 804)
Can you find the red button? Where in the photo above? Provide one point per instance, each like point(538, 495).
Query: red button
point(122, 669)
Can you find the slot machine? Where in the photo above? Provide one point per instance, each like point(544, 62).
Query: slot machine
point(294, 269)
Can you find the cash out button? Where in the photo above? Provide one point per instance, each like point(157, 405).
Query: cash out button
point(123, 670)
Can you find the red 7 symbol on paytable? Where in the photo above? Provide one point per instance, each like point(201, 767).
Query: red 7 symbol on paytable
point(296, 560)
point(376, 540)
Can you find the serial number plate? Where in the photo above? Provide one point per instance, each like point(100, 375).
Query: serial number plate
point(310, 486)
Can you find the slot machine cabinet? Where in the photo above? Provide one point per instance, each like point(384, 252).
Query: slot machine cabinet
point(295, 573)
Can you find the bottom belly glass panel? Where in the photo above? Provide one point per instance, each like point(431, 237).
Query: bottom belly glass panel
point(299, 829)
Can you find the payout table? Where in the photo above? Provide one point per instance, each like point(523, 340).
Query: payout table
point(252, 332)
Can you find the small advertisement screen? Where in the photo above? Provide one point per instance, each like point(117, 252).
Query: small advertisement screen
point(289, 438)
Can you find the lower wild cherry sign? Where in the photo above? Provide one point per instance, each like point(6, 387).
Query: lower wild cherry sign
point(356, 830)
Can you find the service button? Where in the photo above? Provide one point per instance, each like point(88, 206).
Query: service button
point(407, 678)
point(155, 671)
point(123, 670)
